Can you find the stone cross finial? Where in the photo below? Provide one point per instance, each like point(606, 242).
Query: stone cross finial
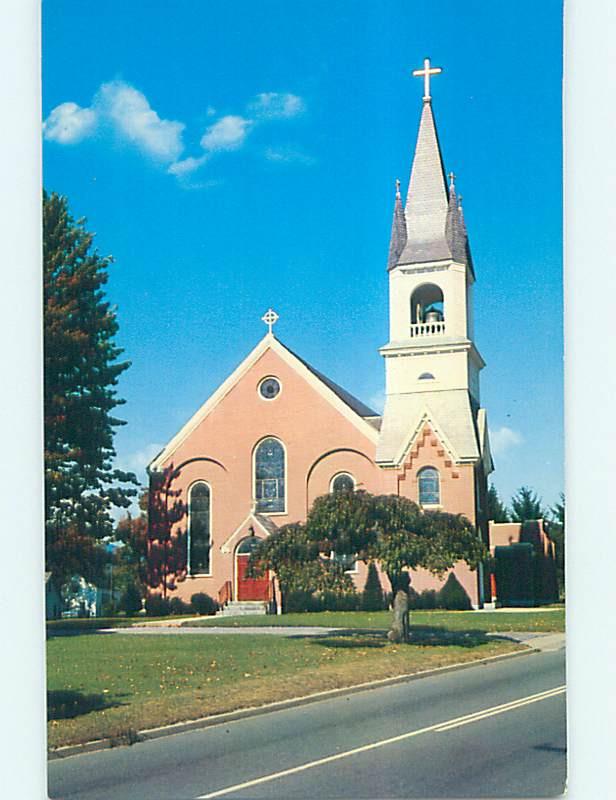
point(270, 318)
point(452, 178)
point(426, 72)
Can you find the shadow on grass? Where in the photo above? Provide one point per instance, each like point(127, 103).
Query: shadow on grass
point(422, 635)
point(67, 704)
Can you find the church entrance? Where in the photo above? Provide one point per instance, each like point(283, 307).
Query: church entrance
point(249, 588)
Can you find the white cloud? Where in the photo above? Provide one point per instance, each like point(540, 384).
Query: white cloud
point(503, 439)
point(288, 155)
point(127, 111)
point(228, 133)
point(276, 105)
point(120, 108)
point(135, 120)
point(187, 165)
point(137, 461)
point(69, 123)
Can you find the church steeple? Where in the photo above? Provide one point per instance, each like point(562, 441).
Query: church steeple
point(431, 359)
point(398, 231)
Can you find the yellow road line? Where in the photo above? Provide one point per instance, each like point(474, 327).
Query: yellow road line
point(437, 728)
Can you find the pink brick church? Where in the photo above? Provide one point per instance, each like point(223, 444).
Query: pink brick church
point(247, 462)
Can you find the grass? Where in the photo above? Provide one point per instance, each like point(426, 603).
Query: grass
point(77, 625)
point(540, 621)
point(111, 686)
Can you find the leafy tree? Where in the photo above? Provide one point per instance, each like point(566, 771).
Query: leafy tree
point(557, 533)
point(80, 379)
point(526, 506)
point(372, 596)
point(165, 563)
point(496, 510)
point(389, 529)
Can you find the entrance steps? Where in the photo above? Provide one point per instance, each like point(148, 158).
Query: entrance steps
point(241, 608)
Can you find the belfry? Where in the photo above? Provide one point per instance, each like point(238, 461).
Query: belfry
point(278, 433)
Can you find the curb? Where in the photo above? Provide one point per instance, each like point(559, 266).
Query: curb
point(279, 705)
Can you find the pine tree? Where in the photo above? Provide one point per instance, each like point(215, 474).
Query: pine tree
point(81, 374)
point(496, 510)
point(526, 506)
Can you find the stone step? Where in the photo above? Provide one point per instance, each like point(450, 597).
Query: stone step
point(237, 608)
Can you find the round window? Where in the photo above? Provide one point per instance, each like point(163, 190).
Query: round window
point(269, 388)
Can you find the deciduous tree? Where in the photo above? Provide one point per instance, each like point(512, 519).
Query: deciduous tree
point(389, 529)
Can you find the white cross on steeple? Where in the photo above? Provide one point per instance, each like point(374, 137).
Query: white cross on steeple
point(426, 72)
point(270, 318)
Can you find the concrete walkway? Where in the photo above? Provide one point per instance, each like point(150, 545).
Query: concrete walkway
point(290, 630)
point(545, 642)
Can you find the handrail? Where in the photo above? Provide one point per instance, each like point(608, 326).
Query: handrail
point(224, 593)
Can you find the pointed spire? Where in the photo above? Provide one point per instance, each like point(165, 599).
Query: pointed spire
point(454, 229)
point(427, 200)
point(398, 231)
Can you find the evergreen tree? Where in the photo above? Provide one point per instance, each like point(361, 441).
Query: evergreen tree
point(80, 379)
point(526, 506)
point(372, 596)
point(496, 510)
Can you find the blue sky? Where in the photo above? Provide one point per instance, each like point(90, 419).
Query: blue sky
point(238, 156)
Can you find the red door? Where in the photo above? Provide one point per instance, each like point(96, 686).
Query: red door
point(249, 588)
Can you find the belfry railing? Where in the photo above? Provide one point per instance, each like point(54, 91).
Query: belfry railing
point(427, 329)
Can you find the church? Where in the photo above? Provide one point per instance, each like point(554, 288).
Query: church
point(247, 463)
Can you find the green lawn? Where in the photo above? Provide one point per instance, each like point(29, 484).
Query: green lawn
point(76, 625)
point(112, 685)
point(547, 620)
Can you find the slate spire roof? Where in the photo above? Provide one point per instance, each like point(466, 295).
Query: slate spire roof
point(433, 228)
point(398, 231)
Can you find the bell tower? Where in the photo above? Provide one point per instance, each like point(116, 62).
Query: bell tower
point(432, 364)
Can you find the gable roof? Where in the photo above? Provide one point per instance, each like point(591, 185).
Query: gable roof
point(265, 523)
point(449, 413)
point(356, 412)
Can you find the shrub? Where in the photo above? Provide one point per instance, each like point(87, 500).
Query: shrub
point(453, 595)
point(202, 603)
point(414, 599)
point(330, 601)
point(157, 606)
point(427, 600)
point(131, 600)
point(178, 606)
point(372, 596)
point(298, 602)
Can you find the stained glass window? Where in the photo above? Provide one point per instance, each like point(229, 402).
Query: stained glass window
point(199, 529)
point(269, 476)
point(269, 388)
point(343, 483)
point(429, 491)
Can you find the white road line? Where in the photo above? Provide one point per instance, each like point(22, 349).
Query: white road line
point(438, 727)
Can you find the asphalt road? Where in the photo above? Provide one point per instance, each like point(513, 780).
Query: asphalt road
point(495, 730)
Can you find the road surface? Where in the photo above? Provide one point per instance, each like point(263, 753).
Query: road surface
point(494, 730)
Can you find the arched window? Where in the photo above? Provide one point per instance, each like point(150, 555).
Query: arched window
point(429, 489)
point(199, 529)
point(426, 376)
point(343, 482)
point(427, 304)
point(270, 476)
